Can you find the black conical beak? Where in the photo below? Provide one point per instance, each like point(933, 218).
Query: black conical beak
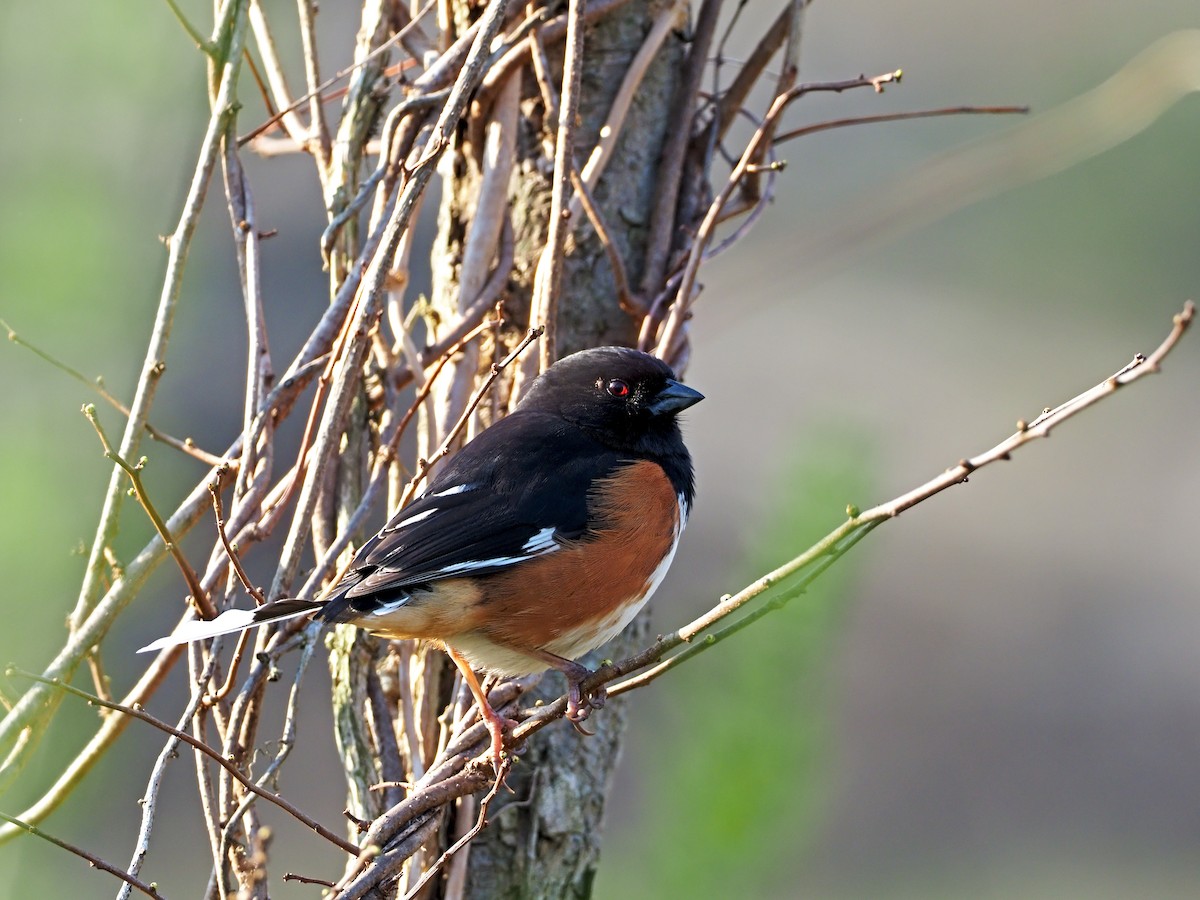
point(675, 397)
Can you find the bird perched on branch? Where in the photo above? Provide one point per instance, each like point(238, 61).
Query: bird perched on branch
point(539, 541)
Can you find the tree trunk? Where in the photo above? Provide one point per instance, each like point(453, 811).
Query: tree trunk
point(544, 837)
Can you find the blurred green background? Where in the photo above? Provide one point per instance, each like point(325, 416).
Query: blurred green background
point(998, 695)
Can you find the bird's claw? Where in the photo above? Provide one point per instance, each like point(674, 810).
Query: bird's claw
point(580, 705)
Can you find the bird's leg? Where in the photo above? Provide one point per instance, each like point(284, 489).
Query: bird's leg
point(497, 725)
point(579, 706)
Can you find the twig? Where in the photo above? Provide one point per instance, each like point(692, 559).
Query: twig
point(99, 679)
point(112, 727)
point(386, 864)
point(208, 751)
point(304, 879)
point(424, 465)
point(334, 79)
point(150, 890)
point(480, 824)
point(837, 542)
point(788, 72)
point(610, 131)
point(316, 111)
point(818, 567)
point(235, 663)
point(734, 97)
point(679, 311)
point(383, 723)
point(628, 302)
point(373, 285)
point(1051, 142)
point(275, 76)
point(548, 278)
point(198, 596)
point(97, 384)
point(287, 741)
point(387, 161)
point(214, 488)
point(223, 110)
point(258, 453)
point(149, 801)
point(550, 32)
point(900, 117)
point(202, 43)
point(484, 234)
point(39, 702)
point(675, 146)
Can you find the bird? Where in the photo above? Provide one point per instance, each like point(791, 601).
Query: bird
point(537, 542)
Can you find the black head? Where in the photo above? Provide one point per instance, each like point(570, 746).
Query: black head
point(625, 398)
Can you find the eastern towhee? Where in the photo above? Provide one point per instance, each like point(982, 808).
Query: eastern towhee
point(539, 540)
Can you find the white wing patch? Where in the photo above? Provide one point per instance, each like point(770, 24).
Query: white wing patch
point(451, 491)
point(539, 544)
point(542, 542)
point(420, 517)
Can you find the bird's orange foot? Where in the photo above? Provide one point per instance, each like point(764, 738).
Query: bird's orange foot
point(499, 727)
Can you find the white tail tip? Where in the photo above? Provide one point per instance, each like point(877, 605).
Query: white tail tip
point(198, 629)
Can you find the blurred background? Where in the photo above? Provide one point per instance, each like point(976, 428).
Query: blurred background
point(996, 695)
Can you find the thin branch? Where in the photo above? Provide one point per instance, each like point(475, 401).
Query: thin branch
point(541, 68)
point(485, 233)
point(92, 860)
point(208, 751)
point(628, 302)
point(675, 147)
point(197, 594)
point(550, 32)
point(480, 823)
point(276, 79)
point(224, 109)
point(672, 328)
point(235, 662)
point(734, 97)
point(304, 879)
point(207, 47)
point(112, 728)
point(286, 742)
point(424, 465)
point(851, 531)
point(214, 488)
point(788, 72)
point(334, 79)
point(96, 384)
point(387, 161)
point(149, 800)
point(900, 117)
point(610, 131)
point(312, 72)
point(548, 278)
point(39, 702)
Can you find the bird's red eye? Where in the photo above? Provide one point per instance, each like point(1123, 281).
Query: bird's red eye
point(617, 388)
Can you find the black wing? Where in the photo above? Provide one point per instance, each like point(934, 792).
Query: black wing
point(509, 495)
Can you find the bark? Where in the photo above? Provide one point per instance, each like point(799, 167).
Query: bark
point(544, 838)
